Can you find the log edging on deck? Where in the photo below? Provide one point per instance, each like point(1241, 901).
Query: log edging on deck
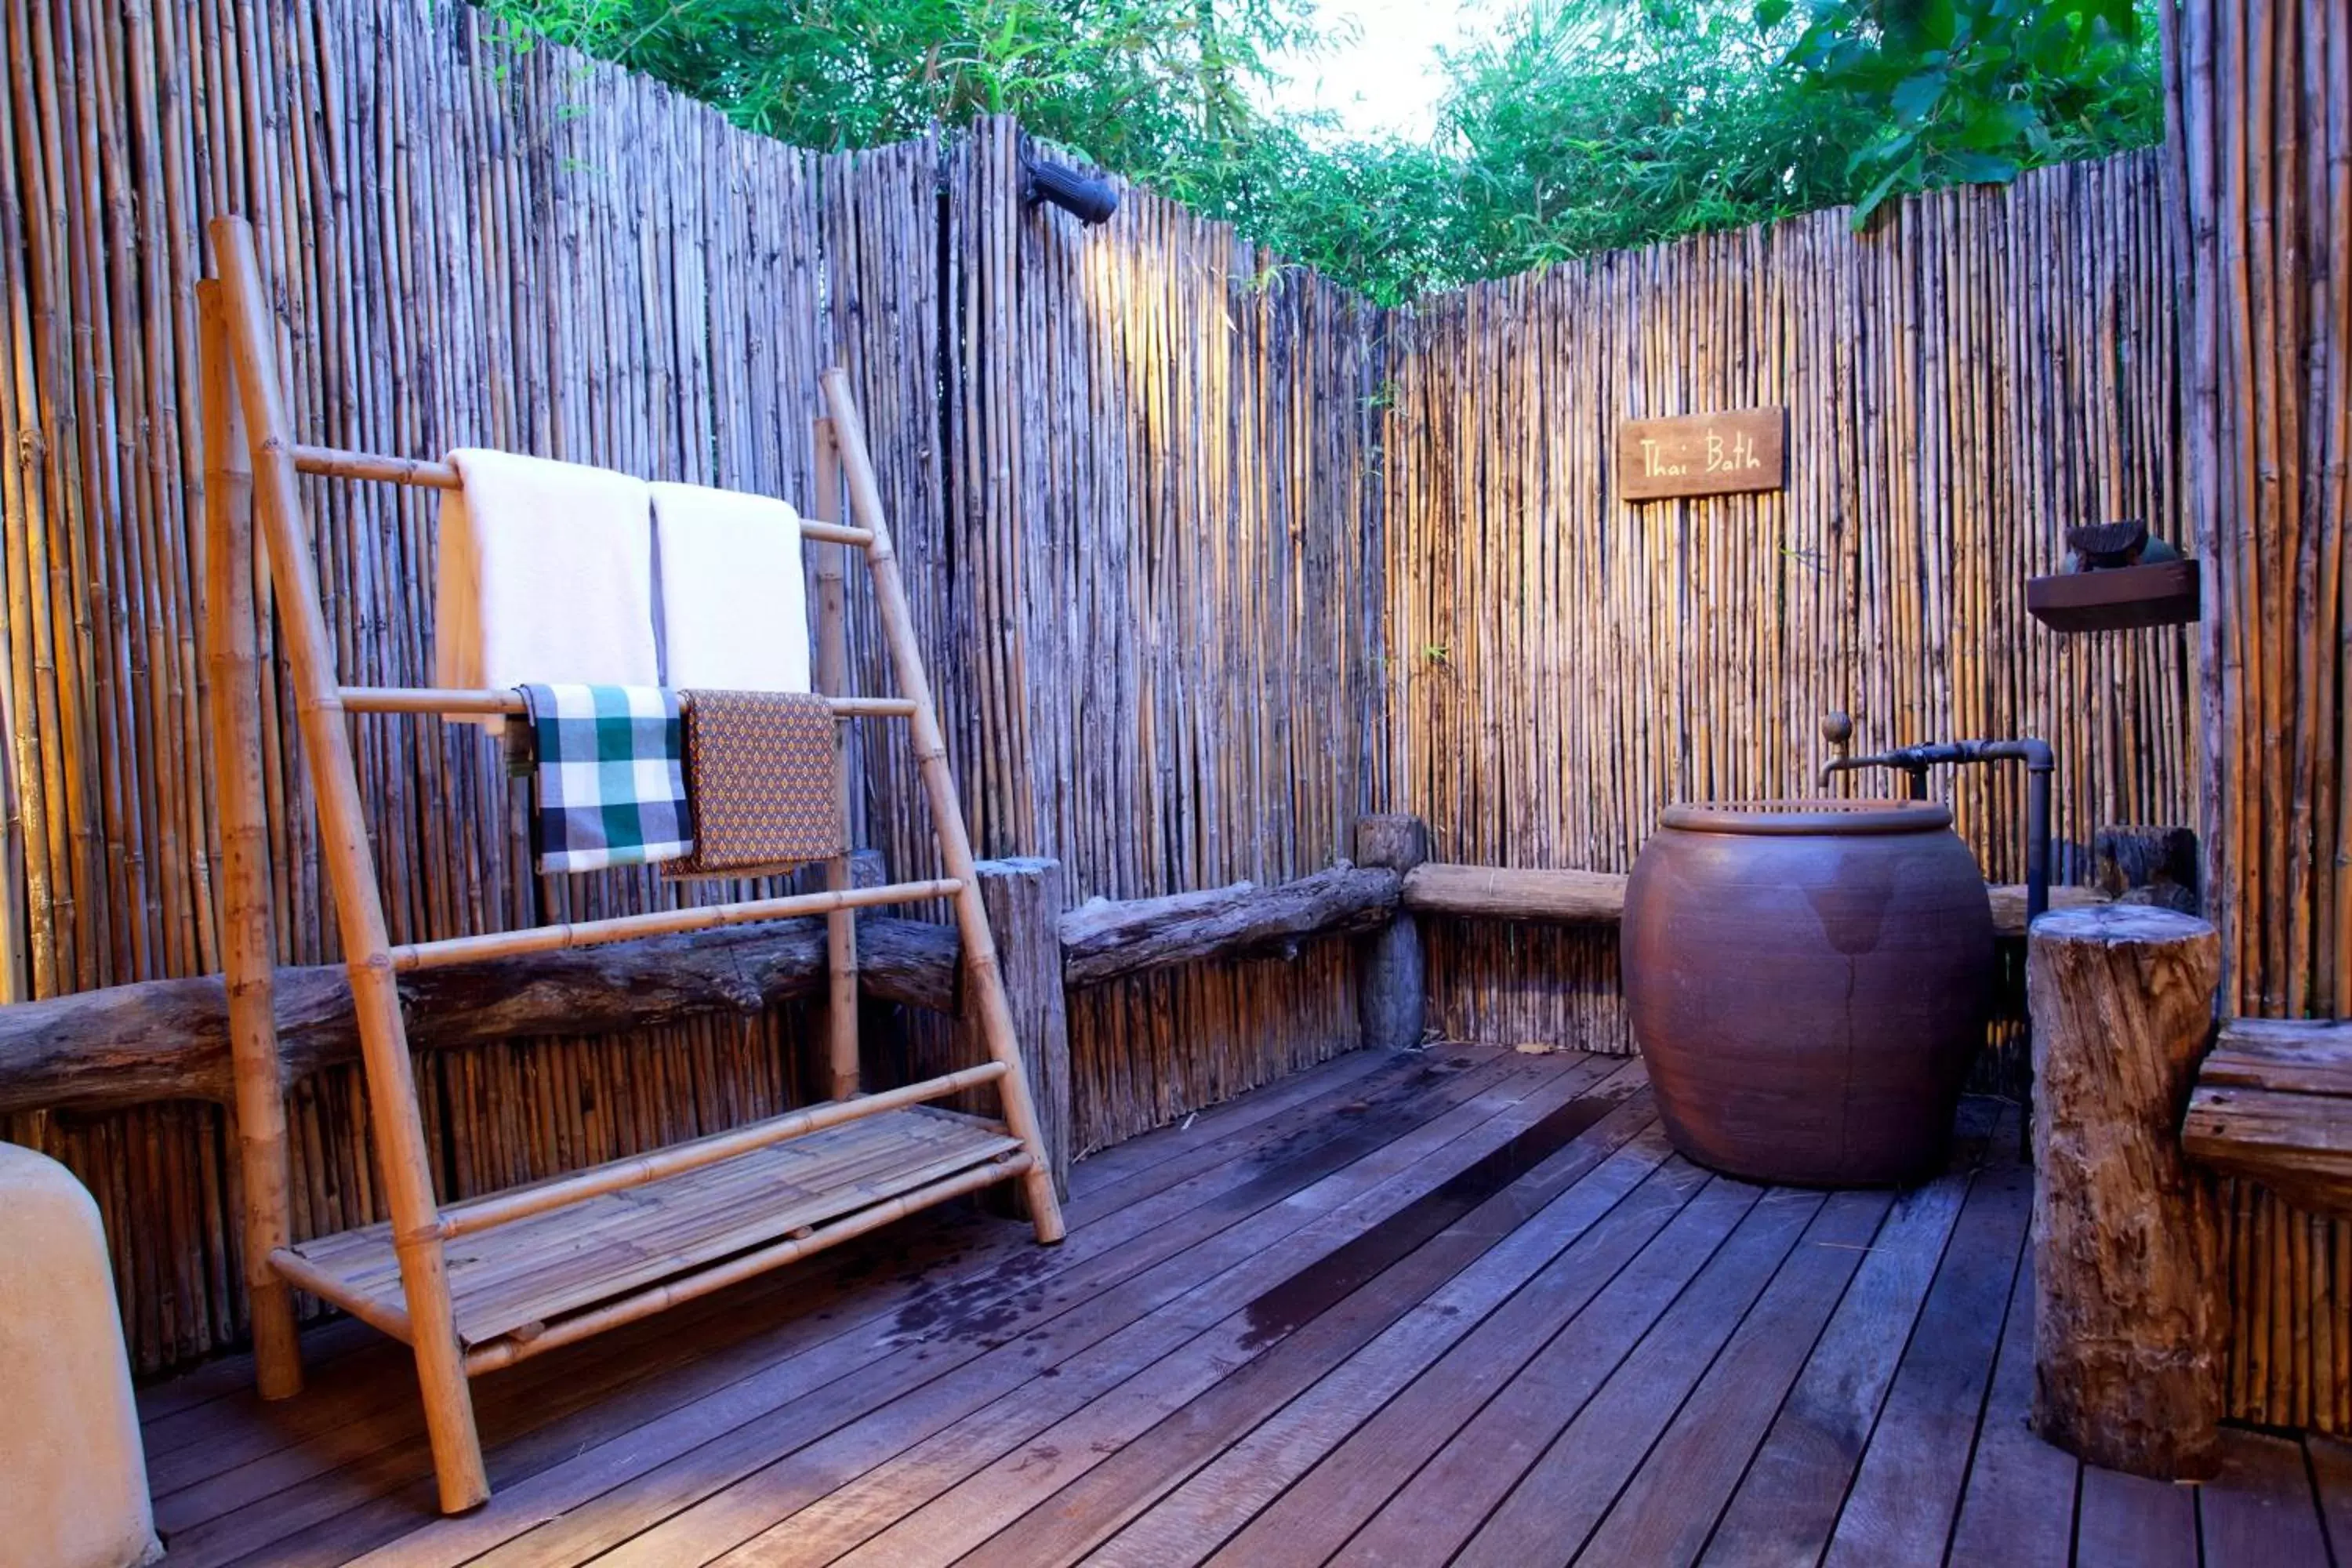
point(168, 1039)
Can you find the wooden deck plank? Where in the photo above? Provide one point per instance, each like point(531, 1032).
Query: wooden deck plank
point(1445, 1503)
point(960, 1407)
point(1445, 1303)
point(349, 1368)
point(2262, 1510)
point(1787, 1506)
point(338, 1389)
point(209, 1420)
point(320, 1434)
point(1567, 1491)
point(1670, 1506)
point(615, 1444)
point(1199, 1511)
point(1314, 1518)
point(626, 1366)
point(2019, 1503)
point(1355, 1072)
point(1145, 1237)
point(2331, 1475)
point(1904, 1496)
point(278, 1446)
point(2130, 1519)
point(1123, 1451)
point(641, 1477)
point(365, 1398)
point(174, 1410)
point(1398, 1083)
point(629, 1376)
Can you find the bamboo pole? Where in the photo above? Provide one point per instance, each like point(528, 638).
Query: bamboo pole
point(376, 1313)
point(456, 699)
point(981, 972)
point(833, 679)
point(337, 463)
point(424, 472)
point(399, 1136)
point(660, 922)
point(247, 958)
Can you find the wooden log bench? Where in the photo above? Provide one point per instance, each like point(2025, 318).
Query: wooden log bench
point(2273, 1103)
point(1598, 897)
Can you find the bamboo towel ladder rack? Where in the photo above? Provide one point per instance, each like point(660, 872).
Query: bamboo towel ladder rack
point(482, 1284)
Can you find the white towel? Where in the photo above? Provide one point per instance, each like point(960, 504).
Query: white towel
point(733, 596)
point(544, 573)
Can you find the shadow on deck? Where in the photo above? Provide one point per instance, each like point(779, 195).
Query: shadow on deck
point(1452, 1306)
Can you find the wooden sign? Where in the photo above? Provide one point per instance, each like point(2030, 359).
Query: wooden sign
point(1702, 454)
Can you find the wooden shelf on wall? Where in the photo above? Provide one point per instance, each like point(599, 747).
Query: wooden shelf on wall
point(2162, 593)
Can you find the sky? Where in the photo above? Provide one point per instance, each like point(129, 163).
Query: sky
point(1386, 81)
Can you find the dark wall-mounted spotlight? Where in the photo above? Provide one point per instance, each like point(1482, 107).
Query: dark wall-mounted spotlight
point(1089, 201)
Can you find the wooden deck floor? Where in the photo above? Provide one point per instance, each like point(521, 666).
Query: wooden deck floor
point(1454, 1306)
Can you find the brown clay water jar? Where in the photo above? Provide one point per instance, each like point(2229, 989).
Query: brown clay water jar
point(1808, 980)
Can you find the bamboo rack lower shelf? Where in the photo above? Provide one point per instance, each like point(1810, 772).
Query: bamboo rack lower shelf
point(554, 1277)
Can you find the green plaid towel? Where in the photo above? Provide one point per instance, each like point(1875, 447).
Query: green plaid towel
point(610, 788)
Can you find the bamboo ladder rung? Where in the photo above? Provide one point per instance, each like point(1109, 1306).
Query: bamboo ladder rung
point(416, 956)
point(635, 1246)
point(453, 701)
point(334, 462)
point(385, 1314)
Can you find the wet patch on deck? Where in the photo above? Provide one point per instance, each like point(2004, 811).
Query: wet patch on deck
point(1314, 1289)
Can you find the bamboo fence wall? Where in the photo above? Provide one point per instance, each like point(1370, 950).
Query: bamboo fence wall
point(1981, 369)
point(2260, 110)
point(1176, 558)
point(473, 246)
point(1207, 556)
point(476, 245)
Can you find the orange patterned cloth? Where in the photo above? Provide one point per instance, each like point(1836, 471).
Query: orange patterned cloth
point(760, 778)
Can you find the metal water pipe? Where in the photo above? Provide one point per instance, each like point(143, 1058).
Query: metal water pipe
point(1913, 762)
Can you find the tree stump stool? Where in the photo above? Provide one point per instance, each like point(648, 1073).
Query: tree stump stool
point(73, 1479)
point(2128, 1330)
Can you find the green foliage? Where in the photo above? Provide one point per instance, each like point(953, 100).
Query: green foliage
point(1121, 80)
point(1592, 124)
point(1378, 216)
point(1975, 89)
point(1578, 125)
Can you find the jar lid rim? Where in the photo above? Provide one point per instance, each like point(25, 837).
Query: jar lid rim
point(1801, 816)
